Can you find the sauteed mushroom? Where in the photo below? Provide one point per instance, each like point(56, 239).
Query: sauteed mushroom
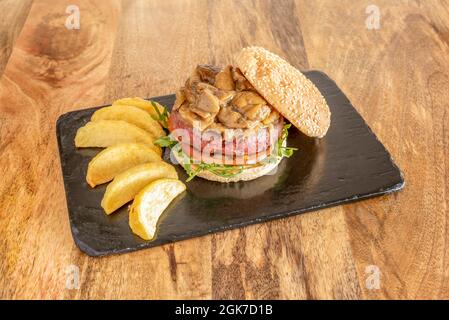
point(223, 99)
point(207, 72)
point(224, 79)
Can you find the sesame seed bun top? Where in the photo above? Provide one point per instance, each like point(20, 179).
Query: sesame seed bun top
point(286, 89)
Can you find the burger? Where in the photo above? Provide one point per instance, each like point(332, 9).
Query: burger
point(231, 124)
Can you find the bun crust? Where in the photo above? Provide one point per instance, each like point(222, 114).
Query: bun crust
point(286, 89)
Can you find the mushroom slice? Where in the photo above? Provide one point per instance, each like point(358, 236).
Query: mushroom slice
point(208, 102)
point(257, 112)
point(225, 96)
point(245, 98)
point(272, 117)
point(224, 80)
point(241, 83)
point(203, 114)
point(207, 72)
point(193, 119)
point(204, 85)
point(180, 98)
point(231, 118)
point(190, 94)
point(194, 78)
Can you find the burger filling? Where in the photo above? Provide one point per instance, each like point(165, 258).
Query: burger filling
point(223, 124)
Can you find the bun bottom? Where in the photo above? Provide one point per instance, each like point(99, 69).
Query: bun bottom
point(245, 175)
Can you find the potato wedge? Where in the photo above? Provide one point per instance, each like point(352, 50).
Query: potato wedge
point(142, 104)
point(105, 133)
point(127, 184)
point(133, 115)
point(116, 159)
point(150, 203)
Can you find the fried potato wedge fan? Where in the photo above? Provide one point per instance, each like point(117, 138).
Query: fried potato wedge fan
point(115, 159)
point(127, 184)
point(106, 133)
point(133, 115)
point(127, 130)
point(149, 205)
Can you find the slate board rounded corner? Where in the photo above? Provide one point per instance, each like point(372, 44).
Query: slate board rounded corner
point(91, 252)
point(347, 165)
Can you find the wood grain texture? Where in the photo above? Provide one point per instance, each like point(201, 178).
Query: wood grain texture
point(51, 70)
point(14, 14)
point(396, 76)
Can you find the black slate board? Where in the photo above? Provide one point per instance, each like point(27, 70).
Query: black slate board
point(348, 164)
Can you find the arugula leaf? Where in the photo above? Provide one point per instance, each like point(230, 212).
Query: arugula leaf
point(166, 141)
point(287, 152)
point(219, 170)
point(279, 150)
point(161, 117)
point(284, 151)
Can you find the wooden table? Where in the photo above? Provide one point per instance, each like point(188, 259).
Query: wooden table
point(397, 76)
